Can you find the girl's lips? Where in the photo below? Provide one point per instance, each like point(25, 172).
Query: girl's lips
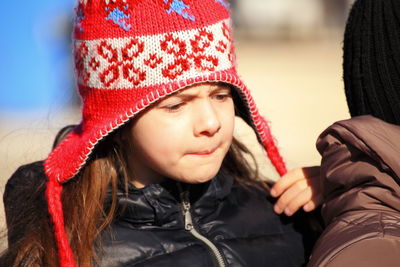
point(203, 153)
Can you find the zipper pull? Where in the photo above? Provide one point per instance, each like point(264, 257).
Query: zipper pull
point(184, 195)
point(186, 211)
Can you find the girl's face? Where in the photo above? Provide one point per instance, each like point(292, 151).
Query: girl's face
point(184, 137)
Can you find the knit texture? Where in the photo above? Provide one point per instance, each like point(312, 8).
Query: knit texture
point(371, 60)
point(132, 53)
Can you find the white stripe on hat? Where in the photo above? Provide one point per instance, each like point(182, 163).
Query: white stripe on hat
point(126, 63)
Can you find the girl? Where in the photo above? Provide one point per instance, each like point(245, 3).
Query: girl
point(153, 176)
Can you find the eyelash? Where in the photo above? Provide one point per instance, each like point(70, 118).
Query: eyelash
point(219, 97)
point(222, 96)
point(174, 107)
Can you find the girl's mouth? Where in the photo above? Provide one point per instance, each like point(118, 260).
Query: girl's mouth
point(204, 152)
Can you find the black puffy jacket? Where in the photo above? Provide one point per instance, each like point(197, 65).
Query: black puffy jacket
point(224, 222)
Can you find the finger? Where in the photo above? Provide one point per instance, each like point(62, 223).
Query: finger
point(299, 201)
point(292, 177)
point(310, 206)
point(289, 195)
point(315, 202)
point(287, 181)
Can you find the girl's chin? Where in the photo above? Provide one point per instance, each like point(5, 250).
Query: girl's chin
point(195, 180)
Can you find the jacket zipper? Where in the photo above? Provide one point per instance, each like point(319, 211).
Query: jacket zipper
point(190, 228)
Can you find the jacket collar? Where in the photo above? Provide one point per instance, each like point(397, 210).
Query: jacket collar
point(374, 137)
point(159, 205)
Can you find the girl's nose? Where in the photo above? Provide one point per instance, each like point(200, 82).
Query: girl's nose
point(207, 122)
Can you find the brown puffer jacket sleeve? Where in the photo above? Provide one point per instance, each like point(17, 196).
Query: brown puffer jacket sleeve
point(362, 195)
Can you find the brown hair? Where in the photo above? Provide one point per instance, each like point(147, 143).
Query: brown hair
point(86, 215)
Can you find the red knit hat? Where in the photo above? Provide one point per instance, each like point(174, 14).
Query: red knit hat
point(128, 55)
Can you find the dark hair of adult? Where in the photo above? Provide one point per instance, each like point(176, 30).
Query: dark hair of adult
point(371, 62)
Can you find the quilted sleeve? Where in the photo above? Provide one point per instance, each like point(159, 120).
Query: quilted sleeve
point(361, 209)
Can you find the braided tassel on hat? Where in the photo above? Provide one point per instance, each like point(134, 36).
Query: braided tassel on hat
point(53, 195)
point(131, 53)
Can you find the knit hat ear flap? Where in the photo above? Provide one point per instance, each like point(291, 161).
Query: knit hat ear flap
point(243, 100)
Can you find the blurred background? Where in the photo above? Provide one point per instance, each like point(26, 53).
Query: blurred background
point(289, 54)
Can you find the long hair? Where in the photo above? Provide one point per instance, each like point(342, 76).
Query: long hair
point(85, 211)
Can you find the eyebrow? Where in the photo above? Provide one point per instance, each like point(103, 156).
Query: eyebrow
point(185, 95)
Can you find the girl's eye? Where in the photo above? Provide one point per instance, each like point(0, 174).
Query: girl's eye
point(175, 107)
point(222, 97)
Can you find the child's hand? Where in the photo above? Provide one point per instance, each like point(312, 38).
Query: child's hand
point(298, 188)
